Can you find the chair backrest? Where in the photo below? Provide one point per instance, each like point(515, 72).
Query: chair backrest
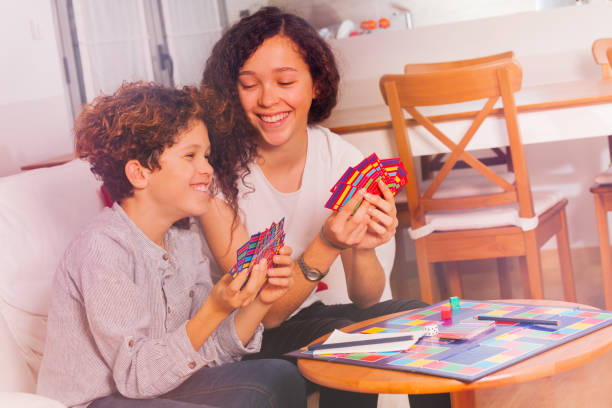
point(489, 80)
point(602, 53)
point(438, 66)
point(496, 155)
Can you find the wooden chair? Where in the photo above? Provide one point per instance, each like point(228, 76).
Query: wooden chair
point(602, 190)
point(430, 164)
point(508, 222)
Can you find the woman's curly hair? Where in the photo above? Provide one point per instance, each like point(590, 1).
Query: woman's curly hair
point(139, 121)
point(236, 136)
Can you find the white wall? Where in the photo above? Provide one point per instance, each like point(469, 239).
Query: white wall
point(34, 118)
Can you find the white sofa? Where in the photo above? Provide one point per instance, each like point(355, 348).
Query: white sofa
point(40, 212)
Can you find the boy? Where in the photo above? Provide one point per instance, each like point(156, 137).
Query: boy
point(135, 315)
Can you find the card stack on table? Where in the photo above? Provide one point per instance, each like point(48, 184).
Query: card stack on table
point(465, 329)
point(263, 245)
point(366, 175)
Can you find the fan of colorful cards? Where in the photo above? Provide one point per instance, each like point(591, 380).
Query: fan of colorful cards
point(366, 175)
point(263, 245)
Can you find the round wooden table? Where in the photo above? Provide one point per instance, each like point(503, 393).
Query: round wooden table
point(381, 381)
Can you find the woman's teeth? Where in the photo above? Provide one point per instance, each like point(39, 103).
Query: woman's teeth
point(274, 118)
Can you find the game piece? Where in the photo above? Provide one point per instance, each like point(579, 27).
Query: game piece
point(366, 175)
point(431, 330)
point(455, 304)
point(262, 245)
point(446, 313)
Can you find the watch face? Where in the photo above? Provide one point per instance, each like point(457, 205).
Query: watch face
point(312, 274)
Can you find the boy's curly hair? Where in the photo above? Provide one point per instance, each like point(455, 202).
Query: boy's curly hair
point(236, 136)
point(139, 121)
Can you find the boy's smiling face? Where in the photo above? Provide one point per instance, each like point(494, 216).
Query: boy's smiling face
point(180, 188)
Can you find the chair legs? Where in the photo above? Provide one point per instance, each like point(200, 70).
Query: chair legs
point(425, 272)
point(503, 275)
point(534, 265)
point(565, 261)
point(604, 247)
point(454, 278)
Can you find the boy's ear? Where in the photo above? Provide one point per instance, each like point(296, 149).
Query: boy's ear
point(315, 91)
point(137, 174)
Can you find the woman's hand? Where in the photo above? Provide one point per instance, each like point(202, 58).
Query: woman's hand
point(372, 224)
point(280, 277)
point(383, 218)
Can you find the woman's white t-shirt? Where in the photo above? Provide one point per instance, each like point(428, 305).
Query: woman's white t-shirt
point(328, 157)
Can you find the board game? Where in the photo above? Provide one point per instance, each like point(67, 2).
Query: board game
point(469, 360)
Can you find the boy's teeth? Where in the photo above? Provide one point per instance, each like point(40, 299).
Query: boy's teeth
point(274, 118)
point(201, 188)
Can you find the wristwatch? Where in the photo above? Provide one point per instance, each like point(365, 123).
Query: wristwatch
point(311, 274)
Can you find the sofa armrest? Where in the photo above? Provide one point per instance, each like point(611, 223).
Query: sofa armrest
point(26, 400)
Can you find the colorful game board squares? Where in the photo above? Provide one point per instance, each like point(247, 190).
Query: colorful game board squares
point(470, 370)
point(453, 367)
point(436, 365)
point(484, 364)
point(357, 356)
point(557, 335)
point(508, 337)
point(401, 361)
point(419, 362)
point(527, 346)
point(580, 326)
point(373, 357)
point(514, 352)
point(373, 330)
point(366, 175)
point(498, 312)
point(592, 321)
point(499, 358)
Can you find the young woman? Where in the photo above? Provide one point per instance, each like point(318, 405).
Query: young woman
point(273, 78)
point(135, 320)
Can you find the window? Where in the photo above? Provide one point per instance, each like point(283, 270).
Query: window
point(105, 43)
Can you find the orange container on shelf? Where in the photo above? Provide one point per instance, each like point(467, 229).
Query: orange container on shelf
point(368, 25)
point(384, 23)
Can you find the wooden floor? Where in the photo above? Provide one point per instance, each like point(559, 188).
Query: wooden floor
point(589, 385)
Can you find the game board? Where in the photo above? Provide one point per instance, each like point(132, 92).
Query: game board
point(469, 360)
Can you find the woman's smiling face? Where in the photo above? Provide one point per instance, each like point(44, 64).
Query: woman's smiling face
point(276, 91)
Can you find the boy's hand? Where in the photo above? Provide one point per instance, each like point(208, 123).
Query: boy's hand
point(280, 277)
point(229, 294)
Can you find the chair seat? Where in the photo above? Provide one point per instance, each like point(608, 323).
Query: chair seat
point(604, 177)
point(503, 215)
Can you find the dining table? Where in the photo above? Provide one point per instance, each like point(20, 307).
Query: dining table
point(547, 112)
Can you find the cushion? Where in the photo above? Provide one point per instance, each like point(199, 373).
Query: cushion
point(40, 212)
point(23, 400)
point(489, 217)
point(15, 374)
